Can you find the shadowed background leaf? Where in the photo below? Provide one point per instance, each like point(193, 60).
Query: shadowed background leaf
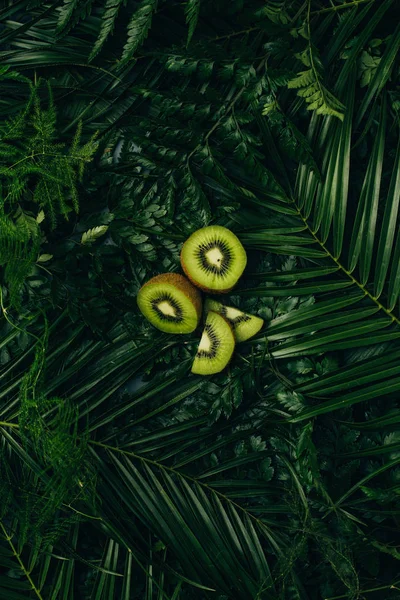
point(124, 126)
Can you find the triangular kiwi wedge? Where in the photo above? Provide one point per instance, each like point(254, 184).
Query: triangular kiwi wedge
point(171, 303)
point(216, 346)
point(244, 325)
point(213, 258)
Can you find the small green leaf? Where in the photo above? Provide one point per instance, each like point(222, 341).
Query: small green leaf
point(44, 258)
point(92, 234)
point(40, 217)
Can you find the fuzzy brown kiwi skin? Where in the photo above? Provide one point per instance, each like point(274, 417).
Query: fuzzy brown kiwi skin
point(183, 285)
point(202, 287)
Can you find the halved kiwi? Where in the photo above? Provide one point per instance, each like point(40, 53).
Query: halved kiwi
point(216, 346)
point(213, 258)
point(171, 303)
point(244, 325)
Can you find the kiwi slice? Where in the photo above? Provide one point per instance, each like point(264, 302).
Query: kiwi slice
point(213, 258)
point(244, 325)
point(216, 346)
point(171, 303)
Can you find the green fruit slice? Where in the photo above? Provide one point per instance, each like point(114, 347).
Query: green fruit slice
point(213, 258)
point(171, 303)
point(244, 325)
point(216, 346)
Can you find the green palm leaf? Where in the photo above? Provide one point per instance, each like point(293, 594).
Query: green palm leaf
point(123, 475)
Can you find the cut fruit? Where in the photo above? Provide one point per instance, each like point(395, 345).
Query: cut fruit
point(244, 325)
point(213, 258)
point(216, 346)
point(171, 303)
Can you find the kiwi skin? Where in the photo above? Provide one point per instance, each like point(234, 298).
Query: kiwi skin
point(215, 306)
point(182, 284)
point(198, 284)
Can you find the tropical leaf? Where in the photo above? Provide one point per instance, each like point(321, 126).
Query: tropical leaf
point(138, 27)
point(122, 474)
point(192, 15)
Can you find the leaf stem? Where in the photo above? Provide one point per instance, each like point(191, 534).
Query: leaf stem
point(392, 586)
point(228, 110)
point(177, 473)
point(52, 154)
point(388, 312)
point(336, 8)
point(229, 35)
point(310, 51)
point(21, 564)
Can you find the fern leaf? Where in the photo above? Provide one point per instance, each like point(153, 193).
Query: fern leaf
point(26, 224)
point(18, 251)
point(303, 79)
point(192, 11)
point(92, 234)
point(13, 128)
point(316, 95)
point(71, 13)
point(5, 73)
point(110, 15)
point(309, 92)
point(138, 27)
point(44, 196)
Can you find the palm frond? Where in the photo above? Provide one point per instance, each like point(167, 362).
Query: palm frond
point(123, 475)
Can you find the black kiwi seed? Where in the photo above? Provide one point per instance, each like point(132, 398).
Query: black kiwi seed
point(212, 352)
point(225, 261)
point(237, 320)
point(240, 319)
point(178, 318)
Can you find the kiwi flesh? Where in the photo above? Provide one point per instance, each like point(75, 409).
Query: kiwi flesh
point(171, 303)
point(216, 346)
point(244, 325)
point(213, 258)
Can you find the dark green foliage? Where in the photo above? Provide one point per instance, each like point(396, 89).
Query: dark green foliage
point(19, 244)
point(123, 476)
point(138, 27)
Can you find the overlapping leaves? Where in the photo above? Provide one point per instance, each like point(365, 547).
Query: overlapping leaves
point(278, 478)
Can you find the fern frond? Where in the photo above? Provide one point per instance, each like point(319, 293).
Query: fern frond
point(138, 28)
point(317, 96)
point(14, 127)
point(111, 10)
point(192, 11)
point(18, 251)
point(309, 83)
point(40, 165)
point(26, 223)
point(71, 13)
point(88, 237)
point(5, 73)
point(275, 11)
point(303, 79)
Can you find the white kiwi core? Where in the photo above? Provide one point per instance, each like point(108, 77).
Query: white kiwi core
point(205, 342)
point(214, 256)
point(232, 313)
point(167, 309)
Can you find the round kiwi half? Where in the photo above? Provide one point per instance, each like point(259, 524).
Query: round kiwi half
point(171, 303)
point(213, 258)
point(216, 346)
point(244, 325)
